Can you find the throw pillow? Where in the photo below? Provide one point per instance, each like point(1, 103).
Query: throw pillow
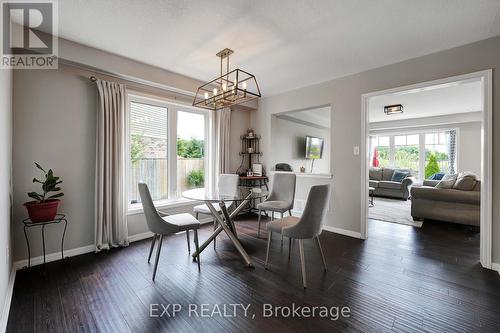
point(399, 175)
point(447, 182)
point(466, 181)
point(375, 173)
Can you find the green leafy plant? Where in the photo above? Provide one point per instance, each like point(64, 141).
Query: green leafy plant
point(137, 148)
point(432, 166)
point(192, 148)
point(50, 184)
point(196, 178)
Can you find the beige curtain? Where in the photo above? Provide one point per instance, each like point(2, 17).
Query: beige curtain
point(110, 216)
point(223, 140)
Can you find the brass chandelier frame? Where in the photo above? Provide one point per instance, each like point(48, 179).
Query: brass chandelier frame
point(230, 88)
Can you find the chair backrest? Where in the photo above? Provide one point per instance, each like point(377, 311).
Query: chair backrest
point(310, 223)
point(283, 188)
point(228, 184)
point(155, 223)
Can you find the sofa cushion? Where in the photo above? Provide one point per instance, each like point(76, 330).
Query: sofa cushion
point(447, 182)
point(387, 173)
point(374, 183)
point(447, 195)
point(389, 185)
point(375, 173)
point(466, 181)
point(399, 175)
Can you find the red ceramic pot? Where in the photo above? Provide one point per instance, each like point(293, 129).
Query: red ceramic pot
point(42, 211)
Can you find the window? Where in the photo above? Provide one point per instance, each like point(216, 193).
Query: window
point(412, 151)
point(167, 148)
point(380, 150)
point(191, 139)
point(435, 144)
point(406, 153)
point(148, 137)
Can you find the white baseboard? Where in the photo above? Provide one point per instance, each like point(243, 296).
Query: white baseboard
point(341, 231)
point(496, 267)
point(54, 256)
point(82, 250)
point(7, 301)
point(344, 232)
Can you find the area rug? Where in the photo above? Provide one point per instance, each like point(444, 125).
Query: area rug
point(392, 210)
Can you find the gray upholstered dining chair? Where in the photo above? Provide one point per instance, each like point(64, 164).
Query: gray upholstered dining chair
point(281, 197)
point(162, 224)
point(308, 226)
point(228, 185)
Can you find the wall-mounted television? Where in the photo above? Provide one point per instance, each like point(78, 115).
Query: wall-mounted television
point(314, 147)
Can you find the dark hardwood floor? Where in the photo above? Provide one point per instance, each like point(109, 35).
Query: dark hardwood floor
point(400, 279)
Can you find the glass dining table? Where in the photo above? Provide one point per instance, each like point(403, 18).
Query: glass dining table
point(224, 219)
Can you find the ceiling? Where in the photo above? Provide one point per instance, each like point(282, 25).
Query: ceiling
point(286, 44)
point(453, 98)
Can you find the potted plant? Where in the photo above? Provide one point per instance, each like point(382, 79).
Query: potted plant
point(44, 208)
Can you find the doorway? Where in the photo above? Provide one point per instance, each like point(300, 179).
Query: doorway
point(417, 139)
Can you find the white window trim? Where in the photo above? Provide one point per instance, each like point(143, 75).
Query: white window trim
point(421, 157)
point(173, 107)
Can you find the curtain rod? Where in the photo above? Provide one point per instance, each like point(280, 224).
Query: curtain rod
point(124, 77)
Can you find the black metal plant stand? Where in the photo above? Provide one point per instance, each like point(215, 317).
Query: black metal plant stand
point(29, 224)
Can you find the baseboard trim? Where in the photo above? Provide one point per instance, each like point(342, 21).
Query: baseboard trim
point(35, 261)
point(8, 300)
point(344, 232)
point(496, 267)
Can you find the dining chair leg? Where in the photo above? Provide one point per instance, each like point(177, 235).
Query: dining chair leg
point(269, 236)
point(289, 247)
point(290, 212)
point(187, 237)
point(282, 234)
point(152, 247)
point(197, 214)
point(158, 250)
point(215, 227)
point(321, 252)
point(272, 216)
point(258, 230)
point(197, 248)
point(302, 262)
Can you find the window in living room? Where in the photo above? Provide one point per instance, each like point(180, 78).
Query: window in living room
point(415, 151)
point(436, 150)
point(380, 153)
point(406, 153)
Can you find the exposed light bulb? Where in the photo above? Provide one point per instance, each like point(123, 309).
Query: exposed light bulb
point(244, 85)
point(224, 87)
point(215, 91)
point(206, 95)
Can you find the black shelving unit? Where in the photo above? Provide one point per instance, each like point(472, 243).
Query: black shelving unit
point(250, 152)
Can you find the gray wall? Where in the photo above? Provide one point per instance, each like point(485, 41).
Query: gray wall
point(54, 124)
point(289, 145)
point(5, 180)
point(344, 95)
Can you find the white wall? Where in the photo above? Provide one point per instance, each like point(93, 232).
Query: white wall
point(5, 183)
point(468, 144)
point(344, 95)
point(289, 145)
